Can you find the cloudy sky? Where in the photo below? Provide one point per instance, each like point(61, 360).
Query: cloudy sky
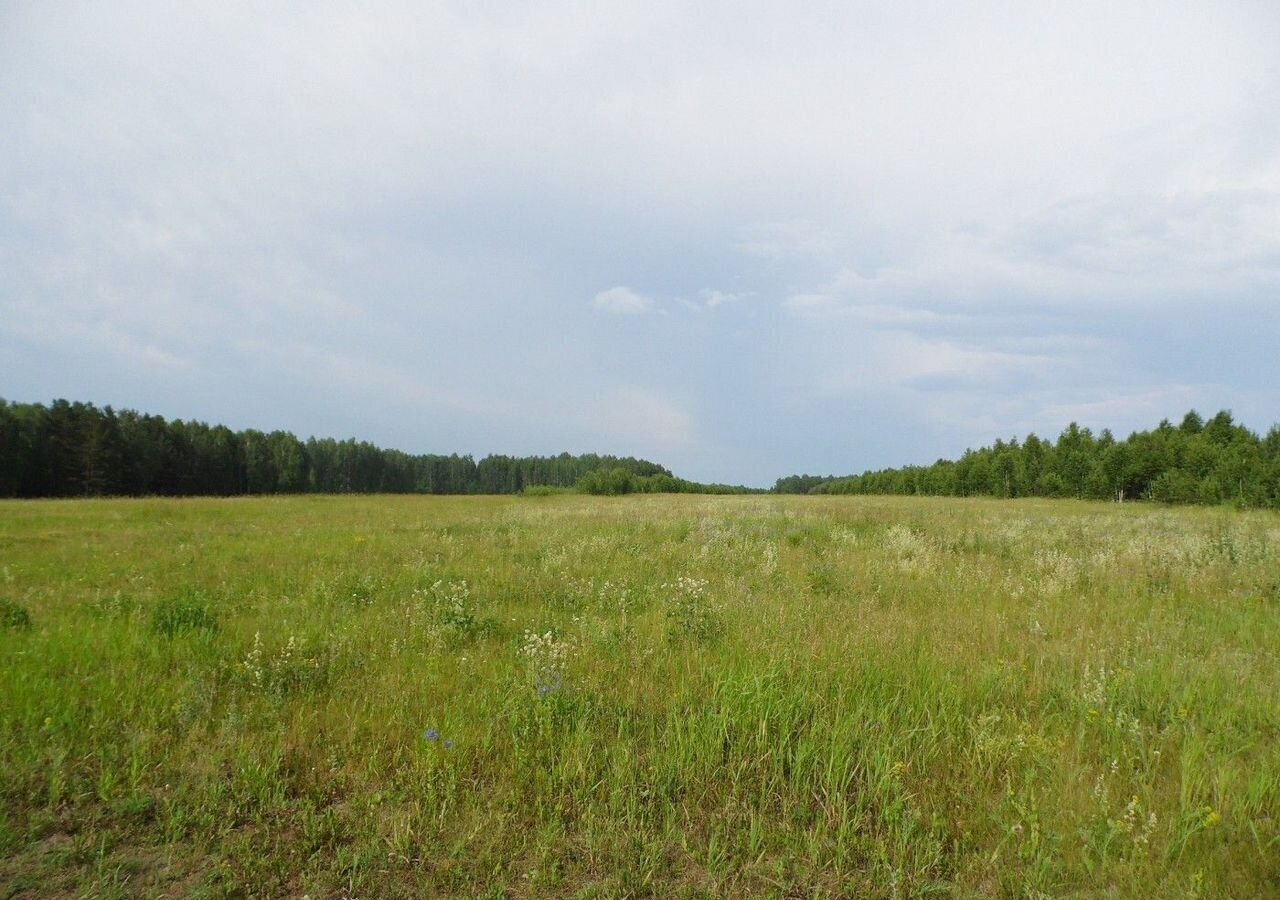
point(745, 240)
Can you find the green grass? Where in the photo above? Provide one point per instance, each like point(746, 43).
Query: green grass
point(663, 696)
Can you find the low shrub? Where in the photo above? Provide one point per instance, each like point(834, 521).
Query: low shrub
point(14, 615)
point(187, 612)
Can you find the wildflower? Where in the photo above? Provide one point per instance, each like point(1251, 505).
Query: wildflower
point(431, 734)
point(547, 657)
point(1143, 838)
point(1017, 829)
point(448, 745)
point(1131, 814)
point(550, 683)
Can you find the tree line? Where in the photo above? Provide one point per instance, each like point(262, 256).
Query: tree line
point(1218, 461)
point(617, 481)
point(72, 449)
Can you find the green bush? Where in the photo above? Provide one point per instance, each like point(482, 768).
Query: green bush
point(607, 482)
point(187, 612)
point(1174, 486)
point(14, 615)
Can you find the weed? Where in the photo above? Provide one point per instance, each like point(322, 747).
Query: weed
point(14, 615)
point(187, 612)
point(691, 613)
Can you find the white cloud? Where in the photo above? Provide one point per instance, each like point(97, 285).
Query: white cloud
point(1133, 250)
point(832, 303)
point(645, 419)
point(794, 240)
point(622, 300)
point(713, 298)
point(362, 380)
point(876, 359)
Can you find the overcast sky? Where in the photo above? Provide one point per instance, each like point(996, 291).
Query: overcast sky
point(744, 241)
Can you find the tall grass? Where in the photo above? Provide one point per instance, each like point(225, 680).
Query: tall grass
point(662, 696)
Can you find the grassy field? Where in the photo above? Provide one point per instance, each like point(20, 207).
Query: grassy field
point(665, 696)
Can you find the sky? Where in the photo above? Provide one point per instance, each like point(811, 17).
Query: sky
point(742, 239)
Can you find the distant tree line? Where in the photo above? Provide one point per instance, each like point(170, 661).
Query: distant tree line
point(800, 484)
point(618, 480)
point(71, 449)
point(1196, 461)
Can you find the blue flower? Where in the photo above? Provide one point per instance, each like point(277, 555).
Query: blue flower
point(549, 685)
point(431, 734)
point(448, 745)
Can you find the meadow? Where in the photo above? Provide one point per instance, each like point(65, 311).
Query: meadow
point(669, 696)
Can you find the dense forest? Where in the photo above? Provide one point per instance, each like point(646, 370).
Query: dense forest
point(70, 449)
point(1217, 461)
point(611, 482)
